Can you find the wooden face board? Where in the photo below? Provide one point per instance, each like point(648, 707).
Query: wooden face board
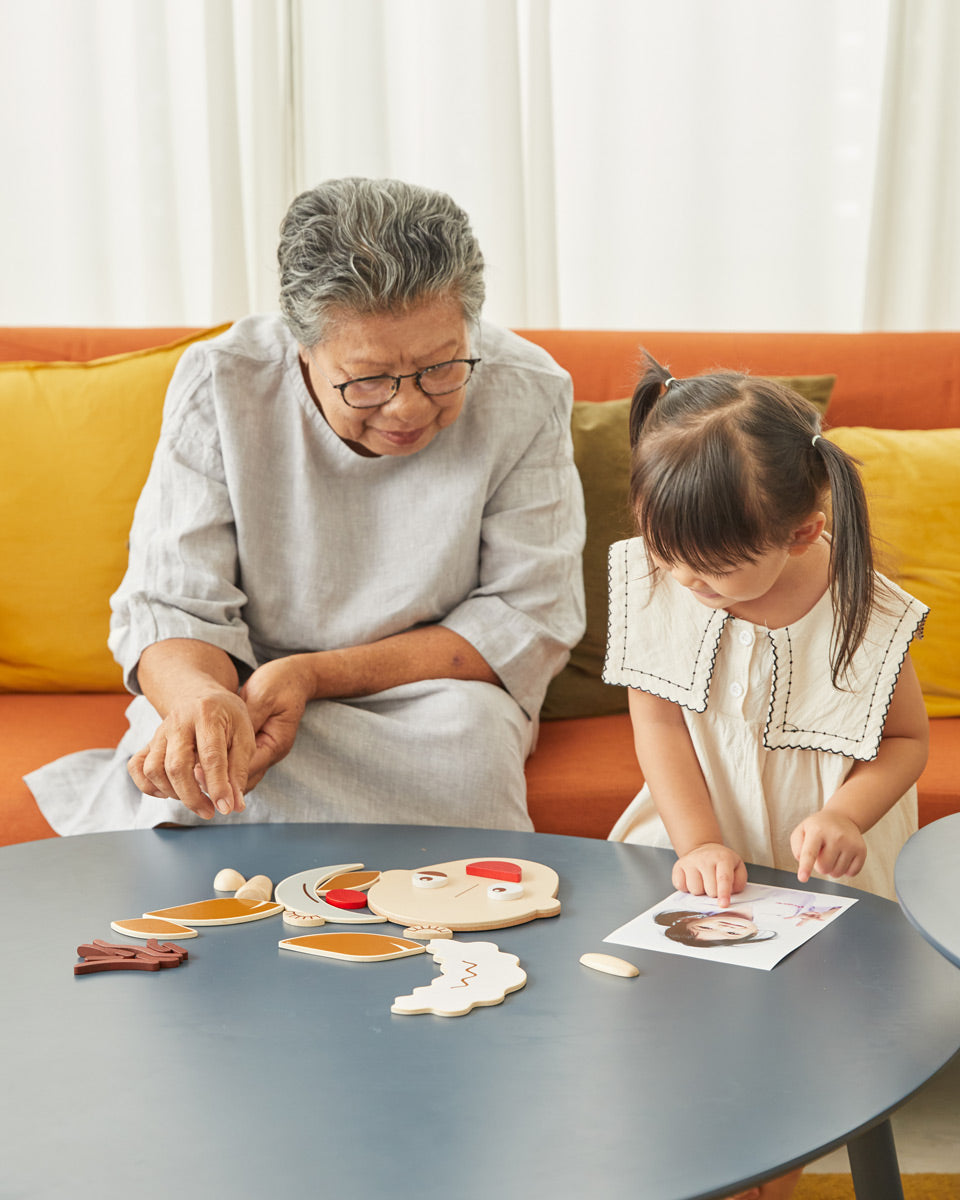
point(463, 902)
point(301, 893)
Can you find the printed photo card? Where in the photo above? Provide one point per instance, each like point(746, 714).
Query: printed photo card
point(762, 925)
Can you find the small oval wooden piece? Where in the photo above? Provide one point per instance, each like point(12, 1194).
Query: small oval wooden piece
point(610, 965)
point(260, 887)
point(228, 880)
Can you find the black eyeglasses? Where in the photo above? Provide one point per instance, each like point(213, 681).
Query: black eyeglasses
point(373, 391)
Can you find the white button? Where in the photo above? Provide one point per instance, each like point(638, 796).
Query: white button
point(746, 637)
point(736, 690)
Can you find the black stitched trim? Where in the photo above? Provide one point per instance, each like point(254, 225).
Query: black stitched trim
point(609, 649)
point(853, 742)
point(649, 675)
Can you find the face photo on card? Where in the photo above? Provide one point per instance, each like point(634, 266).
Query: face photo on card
point(761, 927)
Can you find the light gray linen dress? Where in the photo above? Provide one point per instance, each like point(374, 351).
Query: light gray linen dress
point(260, 532)
point(773, 736)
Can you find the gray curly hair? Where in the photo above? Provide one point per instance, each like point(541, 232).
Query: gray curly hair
point(362, 246)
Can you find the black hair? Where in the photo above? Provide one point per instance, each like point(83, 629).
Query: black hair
point(726, 465)
point(677, 930)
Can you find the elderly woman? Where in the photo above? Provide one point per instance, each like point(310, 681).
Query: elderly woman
point(355, 565)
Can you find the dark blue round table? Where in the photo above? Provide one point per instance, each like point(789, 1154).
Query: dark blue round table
point(926, 875)
point(250, 1071)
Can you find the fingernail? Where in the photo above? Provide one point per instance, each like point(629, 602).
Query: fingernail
point(223, 806)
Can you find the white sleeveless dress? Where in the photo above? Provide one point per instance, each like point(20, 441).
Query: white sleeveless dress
point(774, 737)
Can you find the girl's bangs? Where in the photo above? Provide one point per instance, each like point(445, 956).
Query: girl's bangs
point(698, 525)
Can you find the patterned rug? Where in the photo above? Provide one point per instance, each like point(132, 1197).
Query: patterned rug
point(840, 1187)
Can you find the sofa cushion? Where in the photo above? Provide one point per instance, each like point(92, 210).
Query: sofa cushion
point(601, 447)
point(78, 440)
point(913, 488)
point(38, 728)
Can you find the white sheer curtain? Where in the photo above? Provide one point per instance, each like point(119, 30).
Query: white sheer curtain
point(145, 159)
point(913, 278)
point(626, 163)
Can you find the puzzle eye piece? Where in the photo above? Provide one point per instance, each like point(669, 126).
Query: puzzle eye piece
point(504, 891)
point(429, 879)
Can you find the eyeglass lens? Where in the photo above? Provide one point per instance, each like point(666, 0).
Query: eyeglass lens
point(438, 380)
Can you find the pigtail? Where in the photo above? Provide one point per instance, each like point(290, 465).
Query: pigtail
point(648, 391)
point(852, 579)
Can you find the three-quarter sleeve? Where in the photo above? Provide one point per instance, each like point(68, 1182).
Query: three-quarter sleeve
point(527, 610)
point(182, 574)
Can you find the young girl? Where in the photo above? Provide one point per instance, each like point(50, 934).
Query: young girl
point(776, 714)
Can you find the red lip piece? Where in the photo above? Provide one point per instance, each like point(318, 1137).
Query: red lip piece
point(346, 898)
point(492, 868)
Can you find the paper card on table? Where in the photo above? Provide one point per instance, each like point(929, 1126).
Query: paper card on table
point(762, 925)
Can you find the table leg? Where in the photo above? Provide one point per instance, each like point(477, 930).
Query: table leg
point(874, 1164)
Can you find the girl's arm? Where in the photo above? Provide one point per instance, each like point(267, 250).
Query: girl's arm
point(831, 840)
point(705, 866)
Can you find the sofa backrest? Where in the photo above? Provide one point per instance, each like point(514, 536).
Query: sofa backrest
point(75, 343)
point(887, 380)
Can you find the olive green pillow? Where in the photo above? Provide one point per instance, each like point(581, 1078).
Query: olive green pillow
point(601, 448)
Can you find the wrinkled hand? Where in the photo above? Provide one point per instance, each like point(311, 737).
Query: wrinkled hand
point(275, 695)
point(199, 755)
point(829, 843)
point(710, 870)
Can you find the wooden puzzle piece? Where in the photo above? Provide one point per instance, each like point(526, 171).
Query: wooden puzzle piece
point(610, 965)
point(473, 975)
point(504, 891)
point(101, 949)
point(227, 880)
point(311, 920)
point(301, 893)
point(224, 910)
point(492, 868)
point(260, 887)
point(151, 927)
point(168, 954)
point(463, 902)
point(99, 955)
point(357, 881)
point(426, 933)
point(91, 966)
point(347, 898)
point(354, 947)
point(429, 879)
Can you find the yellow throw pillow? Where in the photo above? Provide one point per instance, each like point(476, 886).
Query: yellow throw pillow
point(601, 448)
point(913, 488)
point(76, 448)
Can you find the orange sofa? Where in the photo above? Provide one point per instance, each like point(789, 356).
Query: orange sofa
point(896, 397)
